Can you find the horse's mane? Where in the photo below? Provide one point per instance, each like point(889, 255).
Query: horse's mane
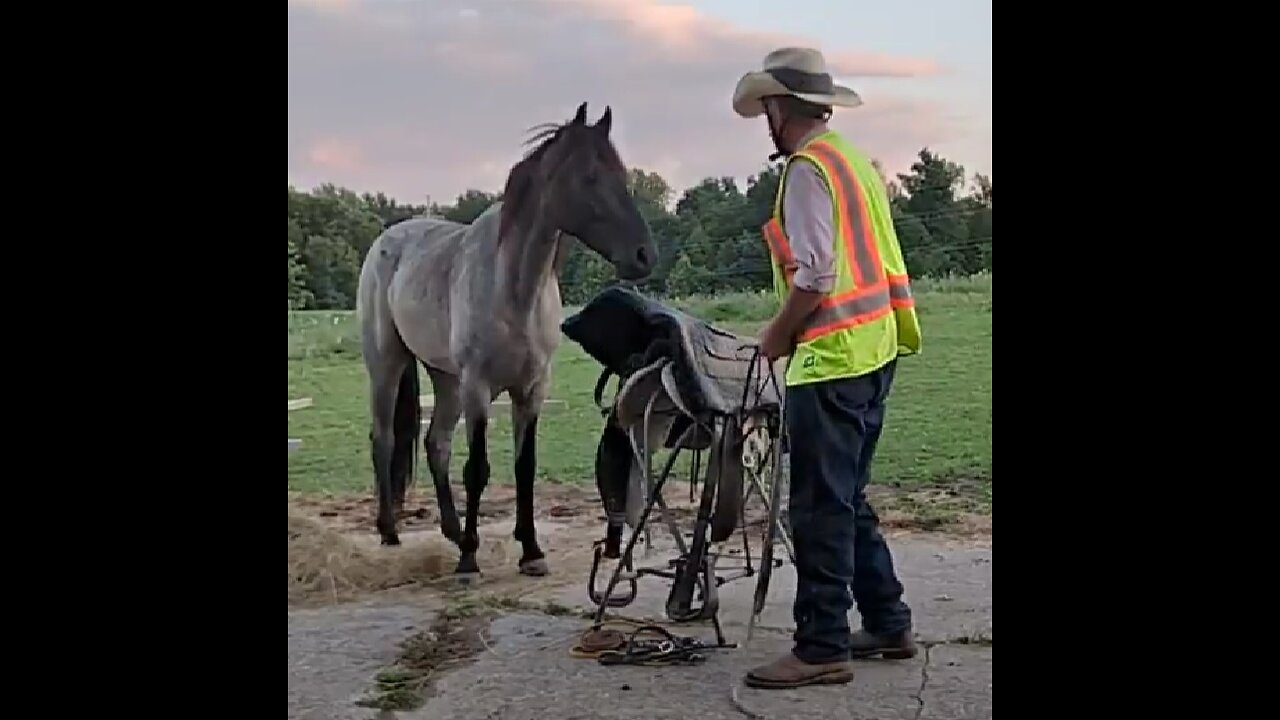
point(544, 134)
point(520, 180)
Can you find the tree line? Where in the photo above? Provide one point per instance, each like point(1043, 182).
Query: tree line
point(709, 241)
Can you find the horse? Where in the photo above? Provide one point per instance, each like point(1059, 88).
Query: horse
point(479, 307)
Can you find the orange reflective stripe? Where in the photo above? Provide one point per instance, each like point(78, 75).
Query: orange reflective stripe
point(900, 292)
point(858, 307)
point(778, 244)
point(776, 239)
point(859, 239)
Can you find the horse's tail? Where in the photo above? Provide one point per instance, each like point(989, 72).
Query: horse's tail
point(407, 427)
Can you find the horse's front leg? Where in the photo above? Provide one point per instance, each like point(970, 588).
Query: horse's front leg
point(475, 473)
point(525, 408)
point(439, 446)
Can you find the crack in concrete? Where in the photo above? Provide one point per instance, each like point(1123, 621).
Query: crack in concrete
point(924, 680)
point(972, 640)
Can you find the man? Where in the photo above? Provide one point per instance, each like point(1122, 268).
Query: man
point(846, 316)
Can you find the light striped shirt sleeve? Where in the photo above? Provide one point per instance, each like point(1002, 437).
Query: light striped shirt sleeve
point(807, 220)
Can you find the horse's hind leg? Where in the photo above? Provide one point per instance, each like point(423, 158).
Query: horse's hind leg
point(439, 442)
point(406, 426)
point(475, 473)
point(525, 408)
point(383, 387)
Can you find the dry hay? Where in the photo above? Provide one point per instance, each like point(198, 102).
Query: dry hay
point(328, 565)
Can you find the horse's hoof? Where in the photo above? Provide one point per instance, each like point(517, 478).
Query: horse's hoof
point(535, 568)
point(462, 579)
point(390, 540)
point(467, 566)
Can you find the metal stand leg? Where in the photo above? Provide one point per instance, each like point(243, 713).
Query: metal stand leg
point(626, 559)
point(772, 530)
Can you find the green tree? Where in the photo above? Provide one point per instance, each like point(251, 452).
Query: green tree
point(468, 206)
point(687, 278)
point(299, 296)
point(388, 210)
point(333, 269)
point(708, 238)
point(944, 231)
point(330, 229)
point(651, 192)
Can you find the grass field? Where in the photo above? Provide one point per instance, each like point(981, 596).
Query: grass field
point(938, 432)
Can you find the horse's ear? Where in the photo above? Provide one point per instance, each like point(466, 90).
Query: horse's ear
point(606, 121)
point(581, 117)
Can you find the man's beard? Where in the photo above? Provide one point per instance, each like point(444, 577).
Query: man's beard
point(776, 135)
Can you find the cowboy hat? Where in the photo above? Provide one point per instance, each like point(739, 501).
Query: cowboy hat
point(800, 72)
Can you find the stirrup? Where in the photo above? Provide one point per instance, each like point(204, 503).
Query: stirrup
point(613, 601)
point(680, 600)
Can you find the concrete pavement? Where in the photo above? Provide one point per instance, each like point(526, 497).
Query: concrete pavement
point(527, 672)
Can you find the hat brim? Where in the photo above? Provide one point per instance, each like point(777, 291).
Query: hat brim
point(754, 86)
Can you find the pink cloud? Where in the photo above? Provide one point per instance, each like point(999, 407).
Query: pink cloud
point(685, 30)
point(336, 155)
point(431, 98)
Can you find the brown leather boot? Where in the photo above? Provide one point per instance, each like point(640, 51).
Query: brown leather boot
point(790, 671)
point(899, 646)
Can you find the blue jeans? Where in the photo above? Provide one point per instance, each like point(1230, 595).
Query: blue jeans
point(833, 428)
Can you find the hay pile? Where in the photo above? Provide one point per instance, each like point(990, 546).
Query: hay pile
point(327, 565)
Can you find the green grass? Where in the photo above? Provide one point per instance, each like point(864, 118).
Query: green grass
point(938, 432)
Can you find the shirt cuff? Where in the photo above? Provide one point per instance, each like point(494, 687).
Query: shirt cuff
point(806, 279)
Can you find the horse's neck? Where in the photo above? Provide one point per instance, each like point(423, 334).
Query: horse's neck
point(532, 257)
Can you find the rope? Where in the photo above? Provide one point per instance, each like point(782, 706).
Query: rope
point(613, 647)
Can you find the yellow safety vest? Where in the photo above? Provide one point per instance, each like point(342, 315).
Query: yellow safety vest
point(869, 317)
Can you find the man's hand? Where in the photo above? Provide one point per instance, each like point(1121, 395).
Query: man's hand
point(773, 342)
point(778, 338)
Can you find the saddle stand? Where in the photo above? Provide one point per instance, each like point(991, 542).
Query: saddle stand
point(683, 385)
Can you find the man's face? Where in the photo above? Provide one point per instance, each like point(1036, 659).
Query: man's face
point(774, 118)
point(773, 114)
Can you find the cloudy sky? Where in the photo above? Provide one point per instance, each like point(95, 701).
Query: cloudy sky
point(425, 98)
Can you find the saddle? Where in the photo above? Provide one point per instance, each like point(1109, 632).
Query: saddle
point(677, 376)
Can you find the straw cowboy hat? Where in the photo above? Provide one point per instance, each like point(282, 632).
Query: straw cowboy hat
point(801, 72)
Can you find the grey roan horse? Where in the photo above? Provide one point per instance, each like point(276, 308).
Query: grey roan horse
point(479, 306)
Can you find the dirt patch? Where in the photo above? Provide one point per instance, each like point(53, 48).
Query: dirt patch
point(457, 636)
point(327, 565)
point(954, 505)
point(351, 512)
point(334, 553)
point(453, 639)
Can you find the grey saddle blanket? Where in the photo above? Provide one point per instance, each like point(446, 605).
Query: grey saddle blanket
point(709, 368)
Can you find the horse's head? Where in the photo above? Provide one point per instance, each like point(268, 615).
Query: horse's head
point(579, 184)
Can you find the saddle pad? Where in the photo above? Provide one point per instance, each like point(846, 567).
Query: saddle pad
point(622, 328)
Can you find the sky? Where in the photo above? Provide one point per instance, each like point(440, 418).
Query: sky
point(422, 99)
